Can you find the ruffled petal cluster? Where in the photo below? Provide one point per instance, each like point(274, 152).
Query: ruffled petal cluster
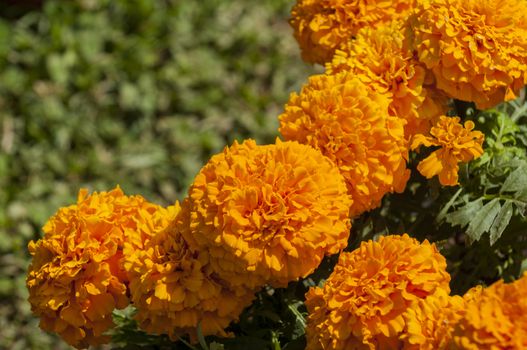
point(477, 49)
point(458, 143)
point(381, 58)
point(75, 279)
point(174, 289)
point(323, 26)
point(268, 214)
point(363, 303)
point(430, 322)
point(350, 123)
point(495, 318)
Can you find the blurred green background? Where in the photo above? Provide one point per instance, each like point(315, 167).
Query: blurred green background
point(140, 93)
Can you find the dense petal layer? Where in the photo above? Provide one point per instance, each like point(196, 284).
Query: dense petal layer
point(382, 59)
point(322, 26)
point(350, 123)
point(363, 303)
point(75, 279)
point(268, 214)
point(477, 49)
point(174, 289)
point(495, 318)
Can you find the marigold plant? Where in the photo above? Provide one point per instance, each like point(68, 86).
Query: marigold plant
point(268, 214)
point(322, 26)
point(174, 289)
point(458, 143)
point(477, 49)
point(350, 123)
point(75, 279)
point(381, 58)
point(363, 303)
point(495, 318)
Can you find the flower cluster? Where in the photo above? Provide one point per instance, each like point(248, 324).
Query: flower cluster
point(457, 142)
point(494, 318)
point(363, 303)
point(261, 215)
point(268, 214)
point(76, 280)
point(350, 123)
point(394, 294)
point(173, 287)
point(381, 58)
point(323, 26)
point(477, 49)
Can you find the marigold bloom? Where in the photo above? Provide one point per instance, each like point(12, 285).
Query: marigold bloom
point(430, 322)
point(322, 26)
point(381, 58)
point(363, 302)
point(477, 49)
point(268, 214)
point(75, 280)
point(174, 289)
point(495, 319)
point(341, 116)
point(458, 144)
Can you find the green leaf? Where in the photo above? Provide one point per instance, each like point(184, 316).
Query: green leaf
point(500, 223)
point(465, 214)
point(483, 219)
point(201, 338)
point(516, 181)
point(441, 216)
point(216, 346)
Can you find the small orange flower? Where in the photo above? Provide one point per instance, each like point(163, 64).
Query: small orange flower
point(363, 302)
point(495, 319)
point(75, 279)
point(349, 122)
point(477, 49)
point(458, 144)
point(381, 58)
point(174, 289)
point(268, 214)
point(322, 26)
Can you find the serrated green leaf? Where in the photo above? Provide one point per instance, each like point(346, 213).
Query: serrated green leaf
point(501, 222)
point(516, 181)
point(464, 215)
point(483, 219)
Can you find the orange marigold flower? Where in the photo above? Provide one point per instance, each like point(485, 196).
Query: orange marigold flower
point(473, 293)
point(458, 144)
point(349, 122)
point(477, 49)
point(268, 214)
point(75, 279)
point(322, 26)
point(430, 322)
point(381, 58)
point(174, 289)
point(363, 303)
point(495, 319)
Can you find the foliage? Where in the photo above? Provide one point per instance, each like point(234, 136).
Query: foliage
point(95, 93)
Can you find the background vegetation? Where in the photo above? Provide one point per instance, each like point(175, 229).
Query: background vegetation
point(140, 93)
